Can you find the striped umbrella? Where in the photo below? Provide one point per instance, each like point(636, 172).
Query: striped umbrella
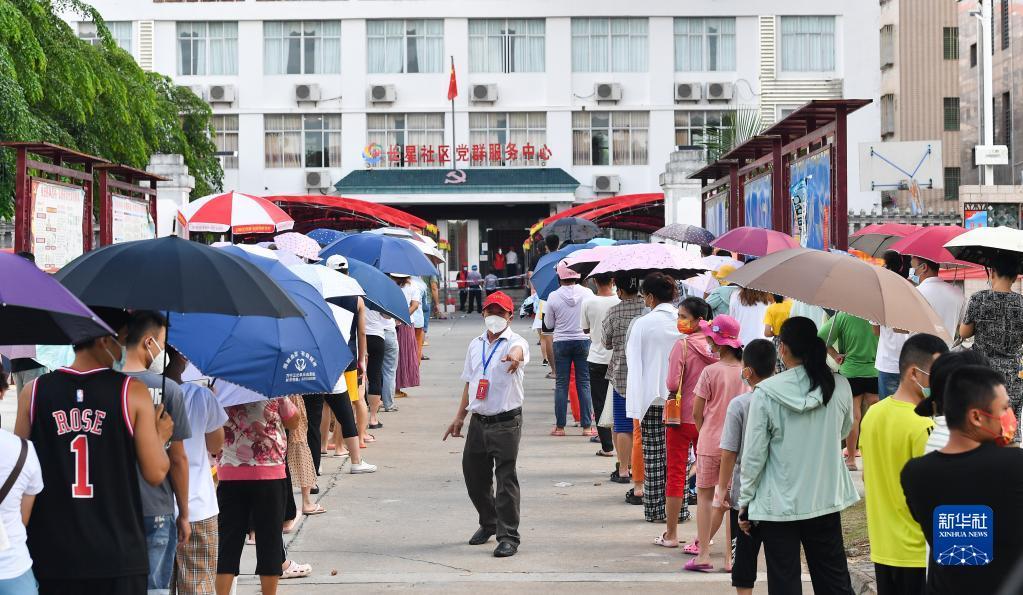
point(234, 212)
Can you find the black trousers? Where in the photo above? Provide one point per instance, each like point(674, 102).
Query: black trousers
point(475, 299)
point(462, 295)
point(821, 538)
point(896, 580)
point(341, 406)
point(491, 451)
point(598, 391)
point(118, 585)
point(262, 501)
point(745, 551)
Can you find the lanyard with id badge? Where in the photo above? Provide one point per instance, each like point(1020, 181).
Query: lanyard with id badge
point(484, 385)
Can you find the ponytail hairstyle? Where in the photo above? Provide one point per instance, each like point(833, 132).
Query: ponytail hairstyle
point(697, 307)
point(799, 335)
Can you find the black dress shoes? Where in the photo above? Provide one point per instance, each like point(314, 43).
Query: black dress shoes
point(480, 537)
point(505, 549)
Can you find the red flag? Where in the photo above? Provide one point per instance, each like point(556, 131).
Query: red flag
point(452, 84)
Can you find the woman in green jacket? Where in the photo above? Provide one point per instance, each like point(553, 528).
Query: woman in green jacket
point(794, 480)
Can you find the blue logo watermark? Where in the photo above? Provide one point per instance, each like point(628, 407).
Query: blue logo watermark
point(963, 535)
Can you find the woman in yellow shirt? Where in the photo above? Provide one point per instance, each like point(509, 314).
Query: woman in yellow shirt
point(775, 316)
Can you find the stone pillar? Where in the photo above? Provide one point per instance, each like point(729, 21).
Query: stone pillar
point(172, 194)
point(682, 201)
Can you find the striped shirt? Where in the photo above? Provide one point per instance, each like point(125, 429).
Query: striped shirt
point(616, 328)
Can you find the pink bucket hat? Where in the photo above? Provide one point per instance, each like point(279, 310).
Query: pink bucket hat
point(723, 330)
point(566, 273)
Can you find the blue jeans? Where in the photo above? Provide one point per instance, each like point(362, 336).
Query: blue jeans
point(390, 366)
point(161, 540)
point(24, 584)
point(887, 384)
point(567, 353)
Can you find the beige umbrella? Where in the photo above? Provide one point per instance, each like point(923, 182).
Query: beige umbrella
point(840, 282)
point(980, 244)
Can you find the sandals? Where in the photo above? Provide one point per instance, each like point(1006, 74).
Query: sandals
point(632, 498)
point(693, 549)
point(603, 453)
point(558, 431)
point(661, 541)
point(616, 477)
point(550, 375)
point(296, 570)
point(692, 566)
point(318, 510)
point(590, 431)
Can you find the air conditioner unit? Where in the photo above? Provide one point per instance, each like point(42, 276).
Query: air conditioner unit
point(310, 92)
point(222, 94)
point(381, 94)
point(719, 91)
point(607, 183)
point(317, 179)
point(483, 93)
point(688, 92)
point(607, 92)
point(199, 90)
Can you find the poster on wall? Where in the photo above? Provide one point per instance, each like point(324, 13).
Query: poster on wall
point(131, 220)
point(57, 211)
point(810, 193)
point(974, 215)
point(715, 213)
point(757, 202)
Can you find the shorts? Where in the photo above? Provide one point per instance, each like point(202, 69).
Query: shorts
point(863, 386)
point(352, 382)
point(745, 551)
point(708, 468)
point(622, 422)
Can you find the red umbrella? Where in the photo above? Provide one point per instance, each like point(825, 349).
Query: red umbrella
point(754, 241)
point(234, 212)
point(877, 238)
point(929, 243)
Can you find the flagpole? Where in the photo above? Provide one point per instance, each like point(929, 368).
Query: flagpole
point(454, 145)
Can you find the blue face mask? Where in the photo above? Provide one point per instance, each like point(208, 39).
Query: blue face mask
point(117, 363)
point(913, 277)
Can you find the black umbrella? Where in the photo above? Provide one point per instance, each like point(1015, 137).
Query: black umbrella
point(572, 229)
point(175, 275)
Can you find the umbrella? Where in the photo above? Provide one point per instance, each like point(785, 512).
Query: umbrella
point(685, 233)
point(389, 254)
point(715, 262)
point(298, 244)
point(174, 275)
point(272, 356)
point(324, 236)
point(981, 244)
point(602, 242)
point(282, 255)
point(330, 283)
point(841, 283)
point(572, 229)
point(234, 212)
point(642, 258)
point(929, 243)
point(876, 239)
point(36, 309)
point(545, 278)
point(754, 241)
point(425, 244)
point(382, 293)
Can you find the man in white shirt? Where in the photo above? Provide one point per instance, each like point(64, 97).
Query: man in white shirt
point(650, 341)
point(946, 299)
point(493, 373)
point(594, 312)
point(15, 562)
point(512, 262)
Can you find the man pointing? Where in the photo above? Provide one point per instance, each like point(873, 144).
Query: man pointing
point(493, 376)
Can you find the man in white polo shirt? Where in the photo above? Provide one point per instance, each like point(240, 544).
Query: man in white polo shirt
point(946, 299)
point(493, 373)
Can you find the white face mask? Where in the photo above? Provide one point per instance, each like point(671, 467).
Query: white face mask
point(495, 324)
point(156, 367)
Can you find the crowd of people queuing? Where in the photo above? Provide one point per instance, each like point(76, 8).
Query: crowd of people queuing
point(165, 499)
point(756, 408)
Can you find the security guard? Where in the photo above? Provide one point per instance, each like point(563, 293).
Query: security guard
point(493, 373)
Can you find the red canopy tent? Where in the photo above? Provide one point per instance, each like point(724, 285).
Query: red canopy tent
point(312, 211)
point(638, 212)
point(603, 203)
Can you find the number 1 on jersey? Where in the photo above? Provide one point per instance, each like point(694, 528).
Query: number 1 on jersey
point(80, 448)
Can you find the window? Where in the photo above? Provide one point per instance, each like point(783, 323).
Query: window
point(119, 30)
point(1005, 24)
point(514, 129)
point(302, 140)
point(405, 46)
point(302, 47)
point(506, 45)
point(1007, 120)
point(207, 48)
point(609, 138)
point(950, 42)
point(951, 183)
point(405, 130)
point(973, 55)
point(887, 46)
point(226, 139)
point(951, 113)
point(808, 44)
point(887, 115)
point(691, 126)
point(704, 44)
point(609, 45)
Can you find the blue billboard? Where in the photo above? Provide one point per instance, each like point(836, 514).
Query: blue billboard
point(757, 202)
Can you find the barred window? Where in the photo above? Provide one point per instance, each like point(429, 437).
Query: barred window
point(950, 42)
point(952, 183)
point(951, 113)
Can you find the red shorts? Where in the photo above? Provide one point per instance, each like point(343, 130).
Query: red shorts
point(677, 439)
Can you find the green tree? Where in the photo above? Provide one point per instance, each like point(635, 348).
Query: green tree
point(737, 126)
point(58, 88)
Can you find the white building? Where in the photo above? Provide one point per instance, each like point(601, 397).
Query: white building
point(668, 70)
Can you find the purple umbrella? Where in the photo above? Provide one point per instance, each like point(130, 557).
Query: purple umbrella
point(685, 233)
point(36, 309)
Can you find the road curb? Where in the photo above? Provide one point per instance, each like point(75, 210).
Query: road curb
point(862, 575)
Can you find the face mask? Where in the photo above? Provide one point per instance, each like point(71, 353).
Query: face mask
point(117, 363)
point(1008, 423)
point(913, 277)
point(925, 390)
point(156, 367)
point(495, 324)
point(744, 379)
point(687, 327)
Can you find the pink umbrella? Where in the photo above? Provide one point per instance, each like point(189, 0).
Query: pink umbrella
point(234, 212)
point(298, 244)
point(671, 259)
point(584, 261)
point(755, 241)
point(929, 243)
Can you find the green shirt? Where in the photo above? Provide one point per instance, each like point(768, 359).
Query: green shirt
point(854, 338)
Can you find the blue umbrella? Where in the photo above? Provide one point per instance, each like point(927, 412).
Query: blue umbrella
point(325, 237)
point(382, 293)
point(272, 356)
point(545, 278)
point(389, 254)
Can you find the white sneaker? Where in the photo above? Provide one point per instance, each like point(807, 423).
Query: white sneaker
point(363, 467)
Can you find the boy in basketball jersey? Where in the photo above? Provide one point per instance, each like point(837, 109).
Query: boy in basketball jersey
point(94, 431)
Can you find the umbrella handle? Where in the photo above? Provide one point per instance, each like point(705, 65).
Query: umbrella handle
point(163, 377)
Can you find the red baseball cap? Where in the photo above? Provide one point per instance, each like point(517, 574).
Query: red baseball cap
point(500, 299)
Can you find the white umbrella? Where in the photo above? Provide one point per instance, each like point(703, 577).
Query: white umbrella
point(715, 262)
point(330, 283)
point(286, 258)
point(979, 245)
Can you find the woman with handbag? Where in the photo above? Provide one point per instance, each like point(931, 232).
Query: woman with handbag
point(690, 355)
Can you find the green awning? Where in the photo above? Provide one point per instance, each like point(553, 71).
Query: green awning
point(438, 181)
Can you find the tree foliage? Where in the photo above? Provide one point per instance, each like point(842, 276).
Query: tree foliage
point(57, 88)
point(737, 126)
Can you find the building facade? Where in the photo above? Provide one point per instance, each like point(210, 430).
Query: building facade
point(308, 93)
point(919, 61)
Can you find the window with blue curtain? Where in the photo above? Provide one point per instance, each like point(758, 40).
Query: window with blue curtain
point(302, 47)
point(704, 44)
point(609, 45)
point(807, 43)
point(413, 45)
point(506, 45)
